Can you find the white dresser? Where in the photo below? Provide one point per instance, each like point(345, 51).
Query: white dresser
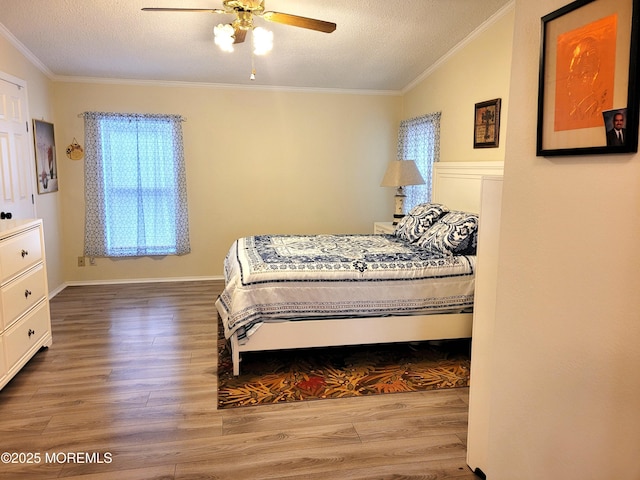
point(25, 324)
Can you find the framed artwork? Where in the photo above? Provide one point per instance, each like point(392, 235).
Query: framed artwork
point(45, 148)
point(588, 78)
point(486, 128)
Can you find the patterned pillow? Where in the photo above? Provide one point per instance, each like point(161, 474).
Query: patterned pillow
point(452, 234)
point(413, 225)
point(469, 245)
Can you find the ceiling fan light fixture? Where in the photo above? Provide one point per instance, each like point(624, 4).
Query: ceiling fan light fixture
point(262, 40)
point(224, 36)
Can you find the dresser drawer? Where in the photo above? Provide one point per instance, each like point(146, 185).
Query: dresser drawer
point(19, 252)
point(26, 333)
point(19, 295)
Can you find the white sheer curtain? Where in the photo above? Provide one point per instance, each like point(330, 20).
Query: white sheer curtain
point(419, 140)
point(135, 185)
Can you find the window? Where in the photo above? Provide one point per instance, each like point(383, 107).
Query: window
point(135, 186)
point(419, 140)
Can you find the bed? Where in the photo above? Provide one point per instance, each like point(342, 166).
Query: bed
point(305, 291)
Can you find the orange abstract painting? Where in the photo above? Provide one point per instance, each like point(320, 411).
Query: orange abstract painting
point(585, 72)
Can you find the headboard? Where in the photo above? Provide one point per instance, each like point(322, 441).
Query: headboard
point(457, 184)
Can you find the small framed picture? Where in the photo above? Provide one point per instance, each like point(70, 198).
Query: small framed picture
point(615, 126)
point(486, 130)
point(45, 148)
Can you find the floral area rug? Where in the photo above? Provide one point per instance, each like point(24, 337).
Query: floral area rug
point(338, 372)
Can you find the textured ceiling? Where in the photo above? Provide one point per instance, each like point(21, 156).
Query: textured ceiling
point(380, 45)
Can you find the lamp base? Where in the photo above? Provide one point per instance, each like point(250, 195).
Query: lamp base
point(399, 212)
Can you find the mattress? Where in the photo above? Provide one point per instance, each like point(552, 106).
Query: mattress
point(303, 277)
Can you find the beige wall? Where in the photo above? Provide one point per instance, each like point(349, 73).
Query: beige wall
point(258, 161)
point(567, 330)
point(478, 70)
point(48, 206)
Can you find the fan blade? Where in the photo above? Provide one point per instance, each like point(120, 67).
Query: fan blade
point(211, 10)
point(239, 35)
point(296, 21)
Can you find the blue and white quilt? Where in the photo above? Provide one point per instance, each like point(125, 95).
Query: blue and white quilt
point(298, 277)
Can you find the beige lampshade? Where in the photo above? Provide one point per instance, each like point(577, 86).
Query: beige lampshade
point(400, 173)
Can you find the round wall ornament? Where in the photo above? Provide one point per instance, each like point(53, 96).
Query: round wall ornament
point(75, 151)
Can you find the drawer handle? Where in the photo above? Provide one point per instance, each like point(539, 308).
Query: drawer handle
point(31, 332)
point(24, 253)
point(27, 293)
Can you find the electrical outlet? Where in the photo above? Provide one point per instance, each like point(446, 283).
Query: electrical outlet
point(81, 261)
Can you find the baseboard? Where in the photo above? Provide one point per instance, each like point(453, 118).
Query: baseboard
point(125, 281)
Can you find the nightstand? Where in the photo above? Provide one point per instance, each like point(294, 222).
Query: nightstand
point(383, 227)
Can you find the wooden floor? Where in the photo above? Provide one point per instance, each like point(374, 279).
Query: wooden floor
point(128, 391)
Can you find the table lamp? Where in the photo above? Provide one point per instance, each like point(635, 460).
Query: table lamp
point(399, 174)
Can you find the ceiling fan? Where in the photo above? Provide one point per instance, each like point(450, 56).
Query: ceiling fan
point(245, 10)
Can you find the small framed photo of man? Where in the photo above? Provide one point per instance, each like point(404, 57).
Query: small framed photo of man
point(615, 124)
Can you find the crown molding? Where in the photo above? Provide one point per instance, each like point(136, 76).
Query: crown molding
point(26, 52)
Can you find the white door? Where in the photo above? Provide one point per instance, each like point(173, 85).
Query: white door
point(16, 164)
